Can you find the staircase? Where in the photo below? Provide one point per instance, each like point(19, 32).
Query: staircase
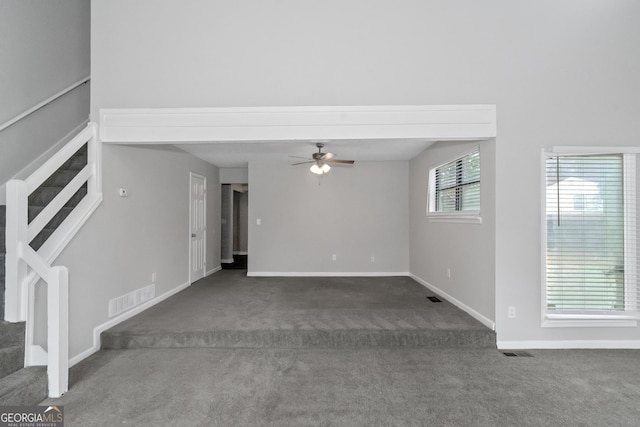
point(21, 385)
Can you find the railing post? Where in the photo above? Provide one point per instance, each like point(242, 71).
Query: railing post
point(94, 156)
point(58, 331)
point(16, 269)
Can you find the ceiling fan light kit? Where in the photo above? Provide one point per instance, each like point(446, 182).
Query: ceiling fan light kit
point(321, 161)
point(320, 168)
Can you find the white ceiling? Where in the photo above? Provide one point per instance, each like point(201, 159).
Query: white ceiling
point(239, 154)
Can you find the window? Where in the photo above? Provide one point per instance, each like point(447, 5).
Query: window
point(454, 189)
point(591, 263)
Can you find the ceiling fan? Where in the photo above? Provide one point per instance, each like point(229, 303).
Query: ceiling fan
point(321, 162)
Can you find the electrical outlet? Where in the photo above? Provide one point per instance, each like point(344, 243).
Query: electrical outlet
point(373, 258)
point(334, 257)
point(153, 277)
point(511, 312)
point(449, 273)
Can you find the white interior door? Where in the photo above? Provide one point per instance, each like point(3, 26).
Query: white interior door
point(198, 226)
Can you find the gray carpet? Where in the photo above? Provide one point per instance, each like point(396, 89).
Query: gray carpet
point(354, 387)
point(229, 309)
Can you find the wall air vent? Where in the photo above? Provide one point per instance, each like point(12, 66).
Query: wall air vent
point(510, 353)
point(130, 300)
point(434, 299)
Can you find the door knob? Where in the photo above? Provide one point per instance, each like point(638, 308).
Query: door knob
point(193, 235)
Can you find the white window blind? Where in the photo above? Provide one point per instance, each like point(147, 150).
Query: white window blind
point(591, 234)
point(455, 186)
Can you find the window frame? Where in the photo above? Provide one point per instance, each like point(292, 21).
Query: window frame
point(457, 216)
point(627, 318)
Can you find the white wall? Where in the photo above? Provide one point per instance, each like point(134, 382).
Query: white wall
point(127, 239)
point(467, 250)
point(234, 175)
point(560, 72)
point(44, 49)
point(355, 213)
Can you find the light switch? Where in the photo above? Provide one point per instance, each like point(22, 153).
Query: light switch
point(123, 192)
point(258, 221)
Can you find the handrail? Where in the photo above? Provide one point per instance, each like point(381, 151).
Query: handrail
point(24, 265)
point(43, 103)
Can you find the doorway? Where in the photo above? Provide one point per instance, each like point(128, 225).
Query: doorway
point(234, 224)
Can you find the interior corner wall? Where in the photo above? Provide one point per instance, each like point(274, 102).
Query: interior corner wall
point(44, 49)
point(466, 250)
point(129, 238)
point(355, 212)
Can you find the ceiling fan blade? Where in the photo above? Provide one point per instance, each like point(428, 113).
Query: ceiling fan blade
point(302, 163)
point(327, 156)
point(298, 157)
point(344, 162)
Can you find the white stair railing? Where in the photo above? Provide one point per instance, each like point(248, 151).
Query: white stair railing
point(25, 266)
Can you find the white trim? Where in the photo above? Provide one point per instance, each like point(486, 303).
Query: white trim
point(213, 270)
point(35, 355)
point(560, 150)
point(461, 217)
point(630, 231)
point(462, 306)
point(574, 322)
point(227, 261)
point(43, 103)
point(325, 274)
point(240, 253)
point(263, 124)
point(119, 319)
point(569, 344)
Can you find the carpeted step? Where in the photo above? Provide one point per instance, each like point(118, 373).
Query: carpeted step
point(11, 359)
point(11, 347)
point(375, 338)
point(11, 333)
point(36, 208)
point(3, 222)
point(60, 178)
point(48, 230)
point(42, 196)
point(76, 163)
point(2, 284)
point(28, 386)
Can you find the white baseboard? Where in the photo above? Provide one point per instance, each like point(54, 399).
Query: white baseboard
point(214, 270)
point(462, 306)
point(325, 274)
point(240, 253)
point(226, 261)
point(119, 319)
point(569, 344)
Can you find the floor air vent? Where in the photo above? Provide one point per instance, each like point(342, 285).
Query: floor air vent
point(517, 354)
point(434, 299)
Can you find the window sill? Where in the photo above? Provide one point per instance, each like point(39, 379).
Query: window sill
point(588, 321)
point(464, 218)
